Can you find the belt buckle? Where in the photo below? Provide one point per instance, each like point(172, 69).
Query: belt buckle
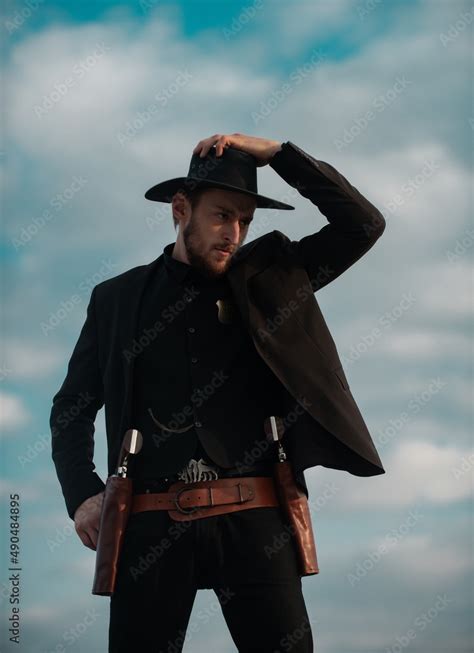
point(189, 511)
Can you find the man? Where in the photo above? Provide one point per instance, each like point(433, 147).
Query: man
point(197, 350)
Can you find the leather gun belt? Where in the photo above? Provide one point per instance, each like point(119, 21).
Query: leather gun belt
point(186, 501)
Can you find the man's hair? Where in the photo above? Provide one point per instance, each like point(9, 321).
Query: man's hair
point(193, 196)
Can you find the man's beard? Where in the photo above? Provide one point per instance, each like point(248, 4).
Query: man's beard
point(191, 242)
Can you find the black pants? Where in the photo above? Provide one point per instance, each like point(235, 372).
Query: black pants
point(246, 557)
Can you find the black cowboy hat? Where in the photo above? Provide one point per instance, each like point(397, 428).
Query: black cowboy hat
point(233, 170)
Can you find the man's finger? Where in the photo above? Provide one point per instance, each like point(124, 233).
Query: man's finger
point(221, 145)
point(206, 148)
point(202, 144)
point(85, 539)
point(205, 145)
point(93, 536)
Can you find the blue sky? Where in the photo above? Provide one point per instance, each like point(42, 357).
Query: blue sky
point(380, 90)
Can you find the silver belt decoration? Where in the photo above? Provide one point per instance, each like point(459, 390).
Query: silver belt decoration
point(198, 470)
point(194, 470)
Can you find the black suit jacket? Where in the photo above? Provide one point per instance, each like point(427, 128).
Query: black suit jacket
point(273, 280)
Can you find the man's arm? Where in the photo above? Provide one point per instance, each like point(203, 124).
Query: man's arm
point(73, 413)
point(354, 223)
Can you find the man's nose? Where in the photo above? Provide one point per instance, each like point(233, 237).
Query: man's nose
point(232, 233)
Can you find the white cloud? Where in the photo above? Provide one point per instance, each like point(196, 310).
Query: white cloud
point(417, 556)
point(448, 291)
point(417, 472)
point(424, 344)
point(311, 22)
point(40, 614)
point(26, 361)
point(13, 412)
point(27, 491)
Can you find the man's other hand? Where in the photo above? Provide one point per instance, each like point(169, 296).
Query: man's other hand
point(87, 520)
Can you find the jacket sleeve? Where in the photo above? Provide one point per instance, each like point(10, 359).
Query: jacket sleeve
point(73, 413)
point(354, 223)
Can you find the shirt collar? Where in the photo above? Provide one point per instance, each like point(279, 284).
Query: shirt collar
point(178, 269)
point(185, 272)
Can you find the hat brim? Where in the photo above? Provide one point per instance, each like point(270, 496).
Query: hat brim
point(164, 191)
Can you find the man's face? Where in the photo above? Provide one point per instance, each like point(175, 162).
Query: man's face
point(215, 229)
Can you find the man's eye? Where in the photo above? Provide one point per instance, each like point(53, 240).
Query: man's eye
point(246, 222)
point(221, 213)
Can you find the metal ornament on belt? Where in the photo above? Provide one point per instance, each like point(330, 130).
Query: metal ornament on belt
point(198, 470)
point(194, 470)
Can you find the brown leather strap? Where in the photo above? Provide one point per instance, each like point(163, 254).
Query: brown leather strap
point(186, 501)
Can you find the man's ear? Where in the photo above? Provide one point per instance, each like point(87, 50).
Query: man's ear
point(179, 206)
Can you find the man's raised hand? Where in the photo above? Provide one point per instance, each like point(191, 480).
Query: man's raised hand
point(262, 149)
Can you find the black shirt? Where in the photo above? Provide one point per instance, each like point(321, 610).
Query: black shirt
point(200, 389)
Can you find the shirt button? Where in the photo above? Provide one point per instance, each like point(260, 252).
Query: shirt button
point(198, 424)
point(194, 360)
point(191, 329)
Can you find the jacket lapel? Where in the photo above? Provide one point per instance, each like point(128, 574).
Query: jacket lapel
point(249, 261)
point(130, 310)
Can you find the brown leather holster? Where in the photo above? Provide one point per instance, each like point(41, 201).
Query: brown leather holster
point(113, 522)
point(294, 504)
